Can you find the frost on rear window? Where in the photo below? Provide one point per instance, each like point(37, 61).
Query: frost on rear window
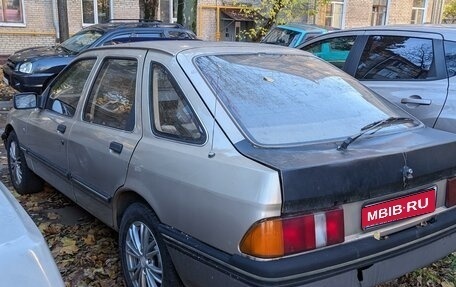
point(290, 99)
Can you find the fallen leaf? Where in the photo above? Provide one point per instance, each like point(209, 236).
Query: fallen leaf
point(89, 239)
point(447, 284)
point(43, 226)
point(52, 215)
point(68, 246)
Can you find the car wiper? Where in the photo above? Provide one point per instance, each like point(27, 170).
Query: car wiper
point(66, 49)
point(377, 125)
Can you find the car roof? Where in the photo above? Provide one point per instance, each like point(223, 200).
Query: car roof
point(133, 24)
point(448, 31)
point(175, 47)
point(304, 27)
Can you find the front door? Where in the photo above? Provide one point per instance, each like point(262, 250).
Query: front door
point(47, 140)
point(102, 143)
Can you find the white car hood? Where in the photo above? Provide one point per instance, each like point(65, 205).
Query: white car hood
point(25, 259)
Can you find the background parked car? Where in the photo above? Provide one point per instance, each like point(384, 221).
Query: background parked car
point(25, 259)
point(411, 65)
point(292, 35)
point(238, 164)
point(33, 68)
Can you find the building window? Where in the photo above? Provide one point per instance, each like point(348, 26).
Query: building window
point(334, 14)
point(418, 11)
point(11, 11)
point(379, 12)
point(96, 11)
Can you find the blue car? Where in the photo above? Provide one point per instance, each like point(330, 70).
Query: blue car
point(32, 69)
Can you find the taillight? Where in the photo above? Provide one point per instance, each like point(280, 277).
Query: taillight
point(451, 192)
point(275, 237)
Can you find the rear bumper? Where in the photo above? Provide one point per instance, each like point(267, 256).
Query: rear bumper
point(366, 262)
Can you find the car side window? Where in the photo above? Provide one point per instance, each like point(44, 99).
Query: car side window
point(112, 97)
point(396, 58)
point(118, 39)
point(172, 115)
point(66, 91)
point(334, 50)
point(450, 58)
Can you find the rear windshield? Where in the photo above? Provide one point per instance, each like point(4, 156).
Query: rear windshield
point(279, 36)
point(292, 99)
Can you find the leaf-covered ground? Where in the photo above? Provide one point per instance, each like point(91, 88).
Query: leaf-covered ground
point(86, 251)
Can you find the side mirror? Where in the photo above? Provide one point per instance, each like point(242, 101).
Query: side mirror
point(25, 101)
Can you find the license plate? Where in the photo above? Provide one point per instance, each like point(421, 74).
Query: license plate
point(5, 80)
point(398, 208)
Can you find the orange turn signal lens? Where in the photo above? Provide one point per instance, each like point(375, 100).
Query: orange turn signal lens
point(264, 239)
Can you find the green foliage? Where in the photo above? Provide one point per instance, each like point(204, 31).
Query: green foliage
point(276, 12)
point(449, 12)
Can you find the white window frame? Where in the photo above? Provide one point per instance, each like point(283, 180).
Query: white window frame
point(12, 24)
point(385, 15)
point(95, 12)
point(333, 4)
point(416, 9)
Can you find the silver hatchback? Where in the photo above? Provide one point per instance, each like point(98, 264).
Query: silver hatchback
point(230, 164)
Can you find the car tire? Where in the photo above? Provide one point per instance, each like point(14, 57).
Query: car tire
point(153, 266)
point(23, 179)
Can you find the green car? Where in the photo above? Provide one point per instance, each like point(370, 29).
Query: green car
point(292, 35)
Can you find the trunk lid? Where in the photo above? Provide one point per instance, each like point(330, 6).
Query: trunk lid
point(319, 176)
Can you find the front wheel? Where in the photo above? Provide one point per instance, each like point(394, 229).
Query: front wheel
point(23, 179)
point(145, 259)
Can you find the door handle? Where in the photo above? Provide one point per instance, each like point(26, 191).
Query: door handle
point(116, 147)
point(61, 128)
point(415, 101)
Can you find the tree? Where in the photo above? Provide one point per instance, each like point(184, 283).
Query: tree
point(276, 12)
point(149, 9)
point(449, 12)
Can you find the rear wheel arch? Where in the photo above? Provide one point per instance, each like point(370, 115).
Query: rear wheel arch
point(141, 244)
point(122, 201)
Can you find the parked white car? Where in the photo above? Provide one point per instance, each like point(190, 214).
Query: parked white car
point(25, 259)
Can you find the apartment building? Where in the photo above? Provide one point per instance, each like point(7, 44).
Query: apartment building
point(27, 23)
point(356, 13)
point(216, 21)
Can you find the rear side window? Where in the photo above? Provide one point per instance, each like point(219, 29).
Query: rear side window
point(172, 115)
point(450, 57)
point(176, 34)
point(112, 98)
point(65, 92)
point(396, 58)
point(334, 50)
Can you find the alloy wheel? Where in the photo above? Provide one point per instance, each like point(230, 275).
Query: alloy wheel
point(15, 163)
point(143, 256)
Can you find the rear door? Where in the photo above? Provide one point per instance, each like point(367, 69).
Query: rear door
point(102, 142)
point(408, 69)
